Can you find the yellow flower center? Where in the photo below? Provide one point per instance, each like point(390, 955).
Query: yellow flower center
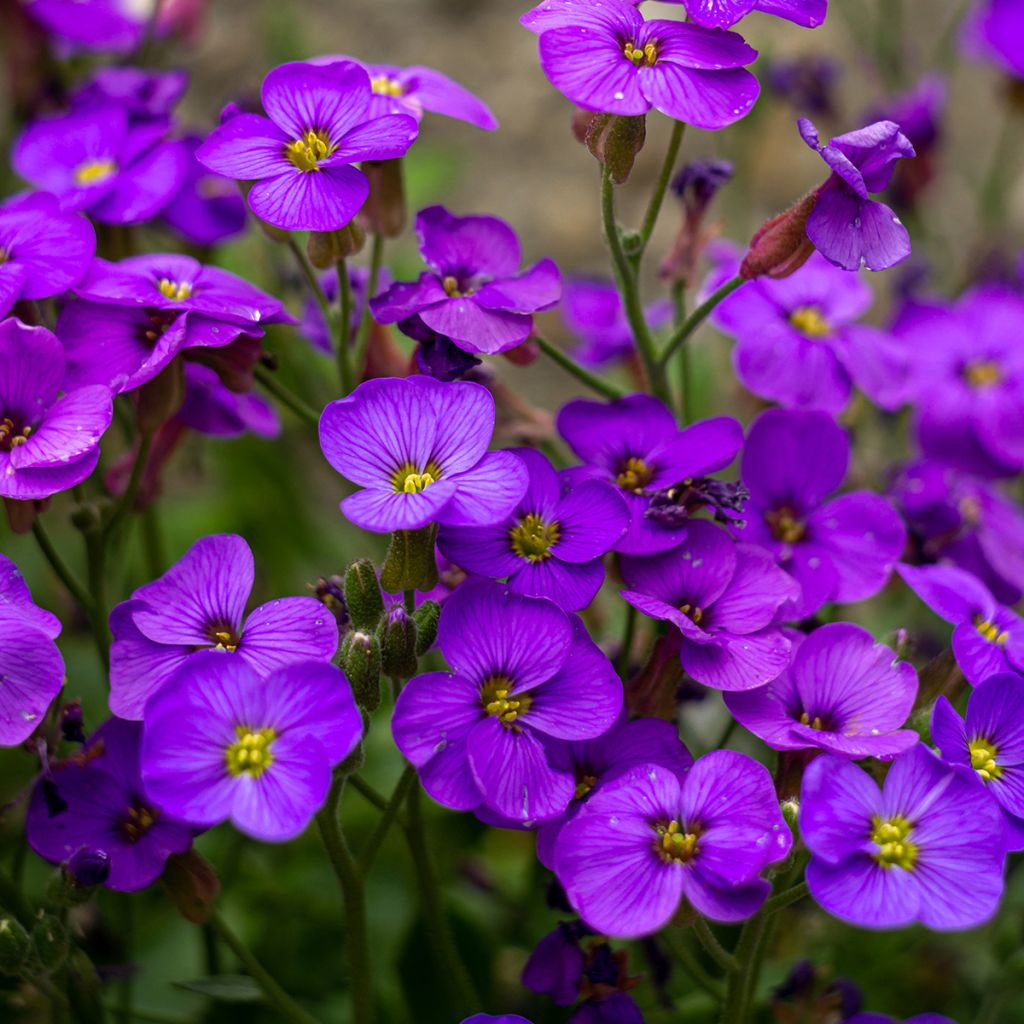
point(409, 479)
point(532, 538)
point(785, 526)
point(814, 723)
point(138, 822)
point(11, 436)
point(644, 57)
point(983, 759)
point(990, 631)
point(635, 475)
point(307, 152)
point(673, 844)
point(384, 85)
point(809, 322)
point(584, 786)
point(982, 374)
point(498, 700)
point(894, 848)
point(693, 613)
point(223, 637)
point(251, 754)
point(92, 172)
point(177, 290)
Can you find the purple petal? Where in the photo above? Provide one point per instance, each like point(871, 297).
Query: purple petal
point(16, 598)
point(383, 511)
point(878, 364)
point(321, 200)
point(287, 630)
point(32, 671)
point(404, 299)
point(144, 187)
point(301, 97)
point(439, 94)
point(467, 245)
point(31, 369)
point(591, 518)
point(837, 802)
point(535, 289)
point(706, 99)
point(736, 662)
point(862, 892)
point(475, 328)
point(953, 594)
point(853, 232)
point(72, 428)
point(750, 602)
point(382, 138)
point(488, 492)
point(607, 433)
point(247, 147)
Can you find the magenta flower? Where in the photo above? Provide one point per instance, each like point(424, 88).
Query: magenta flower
point(723, 13)
point(42, 251)
point(198, 604)
point(418, 448)
point(319, 123)
point(473, 292)
point(723, 598)
point(607, 58)
point(705, 838)
point(47, 443)
point(552, 543)
point(102, 806)
point(929, 847)
point(501, 1018)
point(222, 742)
point(523, 674)
point(995, 30)
point(843, 693)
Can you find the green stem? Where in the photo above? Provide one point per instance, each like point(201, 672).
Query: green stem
point(368, 793)
point(366, 320)
point(131, 492)
point(691, 964)
point(345, 329)
point(312, 281)
point(570, 365)
point(67, 577)
point(156, 554)
point(286, 396)
point(96, 558)
point(387, 818)
point(785, 899)
point(729, 963)
point(654, 205)
point(742, 981)
point(12, 899)
point(698, 316)
point(626, 647)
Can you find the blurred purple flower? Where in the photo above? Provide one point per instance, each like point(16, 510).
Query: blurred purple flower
point(555, 967)
point(314, 328)
point(110, 26)
point(806, 82)
point(210, 408)
point(994, 30)
point(143, 93)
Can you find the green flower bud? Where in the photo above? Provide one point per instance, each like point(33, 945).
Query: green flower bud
point(361, 662)
point(362, 595)
point(397, 637)
point(426, 618)
point(50, 943)
point(410, 563)
point(15, 945)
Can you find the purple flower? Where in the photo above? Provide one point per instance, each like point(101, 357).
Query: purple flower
point(552, 543)
point(988, 638)
point(97, 160)
point(222, 742)
point(918, 112)
point(42, 251)
point(594, 763)
point(502, 1018)
point(319, 123)
point(105, 25)
point(648, 840)
point(723, 598)
point(143, 93)
point(419, 449)
point(723, 13)
point(436, 354)
point(807, 82)
point(314, 328)
point(105, 808)
point(634, 442)
point(798, 342)
point(47, 444)
point(929, 847)
point(991, 741)
point(210, 408)
point(606, 57)
point(555, 967)
point(843, 694)
point(847, 227)
point(473, 292)
point(995, 30)
point(841, 549)
point(31, 667)
point(199, 603)
point(523, 673)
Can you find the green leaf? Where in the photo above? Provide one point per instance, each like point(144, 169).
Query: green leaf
point(225, 988)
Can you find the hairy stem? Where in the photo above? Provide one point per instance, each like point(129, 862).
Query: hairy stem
point(698, 316)
point(570, 365)
point(654, 205)
point(286, 396)
point(60, 567)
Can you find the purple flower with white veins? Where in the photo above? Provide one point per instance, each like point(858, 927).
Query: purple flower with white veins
point(473, 292)
point(988, 638)
point(418, 448)
point(222, 742)
point(552, 543)
point(319, 123)
point(843, 693)
point(198, 604)
point(523, 674)
point(724, 13)
point(635, 443)
point(846, 226)
point(649, 840)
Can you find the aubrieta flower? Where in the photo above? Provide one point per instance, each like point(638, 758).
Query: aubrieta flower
point(806, 82)
point(222, 742)
point(110, 26)
point(319, 123)
point(210, 408)
point(97, 159)
point(989, 739)
point(846, 226)
point(419, 449)
point(840, 549)
point(473, 292)
point(144, 93)
point(723, 13)
point(929, 847)
point(552, 543)
point(843, 693)
point(607, 58)
point(31, 666)
point(198, 604)
point(995, 30)
point(47, 443)
point(635, 443)
point(523, 673)
point(988, 638)
point(103, 806)
point(555, 967)
point(648, 840)
point(43, 252)
point(723, 598)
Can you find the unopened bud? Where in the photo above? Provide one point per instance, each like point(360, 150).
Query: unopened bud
point(160, 398)
point(361, 663)
point(362, 595)
point(613, 140)
point(192, 885)
point(88, 867)
point(72, 722)
point(426, 617)
point(86, 517)
point(410, 563)
point(50, 944)
point(384, 208)
point(15, 945)
point(325, 248)
point(781, 246)
point(397, 638)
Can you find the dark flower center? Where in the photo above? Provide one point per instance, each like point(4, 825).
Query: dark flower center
point(584, 785)
point(634, 475)
point(307, 153)
point(890, 835)
point(983, 373)
point(810, 322)
point(159, 322)
point(674, 843)
point(817, 722)
point(138, 821)
point(693, 612)
point(785, 525)
point(532, 538)
point(498, 700)
point(643, 56)
point(12, 434)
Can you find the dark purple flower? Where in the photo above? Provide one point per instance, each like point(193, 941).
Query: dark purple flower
point(502, 1018)
point(222, 742)
point(198, 604)
point(523, 673)
point(47, 443)
point(607, 58)
point(143, 93)
point(110, 26)
point(106, 808)
point(210, 408)
point(807, 82)
point(846, 226)
point(843, 693)
point(319, 123)
point(917, 112)
point(552, 543)
point(436, 354)
point(929, 847)
point(988, 638)
point(87, 867)
point(723, 598)
point(418, 448)
point(473, 292)
point(635, 443)
point(618, 1008)
point(314, 328)
point(43, 252)
point(723, 13)
point(97, 160)
point(555, 967)
point(648, 840)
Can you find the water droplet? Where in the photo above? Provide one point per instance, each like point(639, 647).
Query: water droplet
point(620, 95)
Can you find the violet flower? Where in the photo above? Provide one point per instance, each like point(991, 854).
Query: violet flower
point(102, 25)
point(198, 604)
point(724, 13)
point(995, 31)
point(222, 742)
point(473, 292)
point(806, 82)
point(142, 92)
point(210, 408)
point(555, 967)
point(705, 838)
point(523, 673)
point(436, 354)
point(928, 847)
point(501, 1018)
point(418, 448)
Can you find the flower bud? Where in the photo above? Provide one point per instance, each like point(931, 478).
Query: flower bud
point(330, 591)
point(72, 722)
point(781, 246)
point(384, 208)
point(88, 867)
point(426, 617)
point(325, 248)
point(362, 595)
point(613, 140)
point(410, 563)
point(50, 944)
point(523, 355)
point(361, 663)
point(397, 638)
point(15, 945)
point(192, 885)
point(86, 517)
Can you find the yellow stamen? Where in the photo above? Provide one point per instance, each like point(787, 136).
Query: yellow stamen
point(674, 844)
point(785, 526)
point(983, 759)
point(532, 538)
point(641, 57)
point(635, 475)
point(307, 152)
point(694, 614)
point(990, 631)
point(809, 321)
point(139, 821)
point(498, 700)
point(409, 479)
point(584, 786)
point(383, 85)
point(805, 719)
point(251, 754)
point(894, 849)
point(177, 290)
point(10, 436)
point(983, 373)
point(92, 172)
